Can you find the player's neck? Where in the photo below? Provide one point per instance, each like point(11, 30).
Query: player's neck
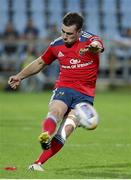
point(70, 45)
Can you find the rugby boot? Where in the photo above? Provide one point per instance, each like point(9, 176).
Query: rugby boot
point(45, 140)
point(35, 167)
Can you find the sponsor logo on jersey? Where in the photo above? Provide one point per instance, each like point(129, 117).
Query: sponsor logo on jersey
point(75, 61)
point(75, 66)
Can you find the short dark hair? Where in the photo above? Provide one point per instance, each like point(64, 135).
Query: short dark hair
point(73, 18)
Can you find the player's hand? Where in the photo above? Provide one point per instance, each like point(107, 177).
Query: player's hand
point(14, 81)
point(95, 47)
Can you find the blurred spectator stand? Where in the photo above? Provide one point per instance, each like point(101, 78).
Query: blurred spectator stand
point(120, 57)
point(35, 83)
point(10, 49)
point(31, 32)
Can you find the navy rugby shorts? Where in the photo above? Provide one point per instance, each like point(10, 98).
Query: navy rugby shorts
point(71, 97)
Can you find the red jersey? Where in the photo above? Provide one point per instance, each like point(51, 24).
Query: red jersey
point(78, 70)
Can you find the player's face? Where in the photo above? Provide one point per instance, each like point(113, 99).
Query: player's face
point(70, 34)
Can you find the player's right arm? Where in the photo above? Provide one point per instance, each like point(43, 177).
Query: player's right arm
point(33, 68)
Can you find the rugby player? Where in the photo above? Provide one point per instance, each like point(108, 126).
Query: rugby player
point(78, 53)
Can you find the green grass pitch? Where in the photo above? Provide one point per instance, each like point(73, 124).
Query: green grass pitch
point(102, 153)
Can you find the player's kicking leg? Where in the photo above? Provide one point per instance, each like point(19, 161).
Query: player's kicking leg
point(57, 142)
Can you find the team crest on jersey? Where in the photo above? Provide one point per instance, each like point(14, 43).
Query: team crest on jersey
point(82, 52)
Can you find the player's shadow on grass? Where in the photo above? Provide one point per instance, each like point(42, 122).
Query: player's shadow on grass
point(97, 171)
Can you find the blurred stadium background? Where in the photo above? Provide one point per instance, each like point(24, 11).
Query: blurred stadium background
point(28, 26)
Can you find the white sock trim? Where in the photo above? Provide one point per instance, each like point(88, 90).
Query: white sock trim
point(52, 117)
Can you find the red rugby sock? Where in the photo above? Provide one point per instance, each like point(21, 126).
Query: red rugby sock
point(46, 154)
point(49, 125)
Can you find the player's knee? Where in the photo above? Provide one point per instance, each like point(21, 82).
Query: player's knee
point(57, 109)
point(57, 113)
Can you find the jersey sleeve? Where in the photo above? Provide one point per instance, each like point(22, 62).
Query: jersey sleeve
point(48, 57)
